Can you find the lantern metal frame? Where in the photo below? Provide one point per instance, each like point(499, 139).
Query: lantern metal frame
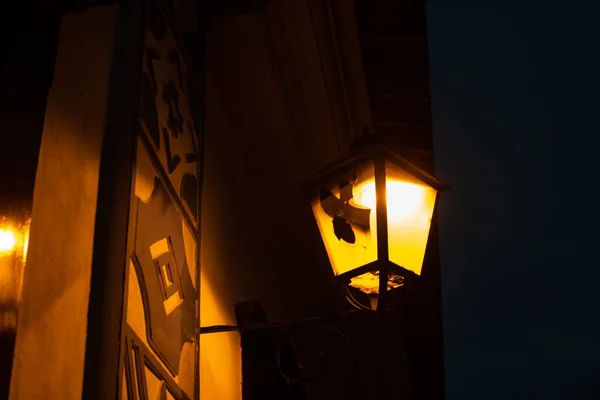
point(379, 154)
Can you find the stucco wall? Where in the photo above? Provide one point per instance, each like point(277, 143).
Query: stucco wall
point(268, 127)
point(222, 251)
point(51, 332)
point(258, 235)
point(284, 265)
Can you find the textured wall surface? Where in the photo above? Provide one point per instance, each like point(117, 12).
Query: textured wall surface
point(50, 345)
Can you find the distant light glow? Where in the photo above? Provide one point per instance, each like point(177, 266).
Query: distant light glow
point(8, 240)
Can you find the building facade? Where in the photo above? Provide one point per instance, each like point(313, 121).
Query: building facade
point(159, 159)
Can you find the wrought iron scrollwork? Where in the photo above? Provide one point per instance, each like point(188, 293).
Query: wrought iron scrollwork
point(395, 297)
point(292, 353)
point(295, 350)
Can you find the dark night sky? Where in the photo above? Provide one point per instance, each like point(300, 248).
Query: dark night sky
point(515, 89)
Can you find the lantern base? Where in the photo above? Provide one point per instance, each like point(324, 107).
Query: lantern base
point(394, 298)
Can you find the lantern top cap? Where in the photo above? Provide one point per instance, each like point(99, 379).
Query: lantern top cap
point(371, 149)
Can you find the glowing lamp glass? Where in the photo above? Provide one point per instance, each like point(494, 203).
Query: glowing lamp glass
point(410, 203)
point(347, 220)
point(347, 211)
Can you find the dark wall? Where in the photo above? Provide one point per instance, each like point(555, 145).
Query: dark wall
point(515, 92)
point(394, 46)
point(26, 66)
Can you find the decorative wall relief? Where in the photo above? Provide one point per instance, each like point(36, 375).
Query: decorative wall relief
point(170, 128)
point(160, 318)
point(143, 376)
point(165, 281)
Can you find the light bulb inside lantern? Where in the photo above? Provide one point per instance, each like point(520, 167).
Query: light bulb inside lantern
point(404, 200)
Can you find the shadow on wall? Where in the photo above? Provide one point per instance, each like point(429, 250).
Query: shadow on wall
point(266, 222)
point(242, 255)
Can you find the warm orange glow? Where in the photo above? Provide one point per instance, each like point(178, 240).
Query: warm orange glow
point(343, 255)
point(369, 283)
point(25, 243)
point(8, 240)
point(410, 204)
point(220, 354)
point(14, 239)
point(9, 285)
point(409, 207)
point(404, 199)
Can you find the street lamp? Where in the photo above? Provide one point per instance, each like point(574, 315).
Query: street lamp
point(373, 210)
point(374, 213)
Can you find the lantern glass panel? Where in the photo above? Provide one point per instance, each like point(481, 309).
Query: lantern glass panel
point(345, 210)
point(410, 204)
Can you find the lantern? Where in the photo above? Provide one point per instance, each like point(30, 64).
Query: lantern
point(374, 213)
